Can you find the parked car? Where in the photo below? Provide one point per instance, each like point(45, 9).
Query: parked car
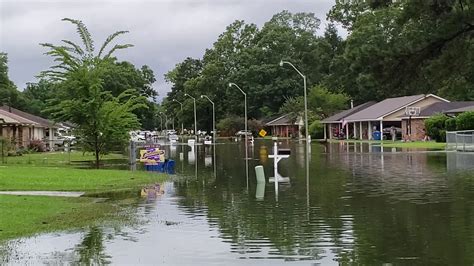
point(241, 133)
point(170, 132)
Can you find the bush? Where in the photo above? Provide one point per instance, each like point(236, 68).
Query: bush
point(465, 121)
point(37, 145)
point(230, 125)
point(450, 124)
point(316, 130)
point(436, 127)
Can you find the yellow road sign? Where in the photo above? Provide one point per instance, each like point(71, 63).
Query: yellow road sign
point(262, 133)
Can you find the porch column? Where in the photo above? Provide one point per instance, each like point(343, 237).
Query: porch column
point(381, 129)
point(330, 131)
point(355, 130)
point(369, 130)
point(347, 130)
point(361, 136)
point(51, 135)
point(325, 134)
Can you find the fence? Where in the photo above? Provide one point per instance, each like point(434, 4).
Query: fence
point(460, 140)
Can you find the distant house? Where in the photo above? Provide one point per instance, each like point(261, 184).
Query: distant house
point(385, 114)
point(282, 126)
point(334, 125)
point(21, 127)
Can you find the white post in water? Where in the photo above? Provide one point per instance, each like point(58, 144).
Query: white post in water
point(276, 158)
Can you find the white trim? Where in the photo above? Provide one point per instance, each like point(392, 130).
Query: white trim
point(331, 122)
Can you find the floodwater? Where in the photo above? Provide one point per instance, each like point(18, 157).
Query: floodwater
point(360, 204)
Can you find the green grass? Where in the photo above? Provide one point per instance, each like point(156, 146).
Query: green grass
point(56, 158)
point(27, 215)
point(400, 144)
point(71, 179)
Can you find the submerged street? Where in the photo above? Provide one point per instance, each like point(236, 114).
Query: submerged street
point(363, 204)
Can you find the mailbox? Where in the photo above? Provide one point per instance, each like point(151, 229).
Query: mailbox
point(284, 152)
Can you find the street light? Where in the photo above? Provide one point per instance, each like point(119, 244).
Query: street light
point(195, 119)
point(245, 103)
point(213, 118)
point(180, 103)
point(166, 120)
point(246, 141)
point(305, 99)
point(305, 125)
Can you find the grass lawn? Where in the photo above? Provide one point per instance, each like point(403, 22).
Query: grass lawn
point(400, 144)
point(26, 215)
point(56, 158)
point(15, 177)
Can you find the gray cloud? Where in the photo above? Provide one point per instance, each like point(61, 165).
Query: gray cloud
point(164, 32)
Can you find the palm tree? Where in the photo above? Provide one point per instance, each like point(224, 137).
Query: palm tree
point(100, 117)
point(70, 56)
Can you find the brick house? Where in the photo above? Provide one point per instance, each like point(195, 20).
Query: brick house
point(417, 129)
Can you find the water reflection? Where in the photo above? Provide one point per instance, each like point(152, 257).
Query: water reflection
point(359, 204)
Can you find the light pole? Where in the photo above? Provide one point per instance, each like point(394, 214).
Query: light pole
point(245, 103)
point(195, 119)
point(213, 118)
point(166, 120)
point(246, 141)
point(305, 99)
point(180, 103)
point(305, 127)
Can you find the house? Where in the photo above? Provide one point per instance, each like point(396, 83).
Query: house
point(386, 114)
point(413, 127)
point(282, 126)
point(333, 125)
point(469, 107)
point(21, 127)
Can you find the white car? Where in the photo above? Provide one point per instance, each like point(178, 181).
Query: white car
point(243, 133)
point(170, 132)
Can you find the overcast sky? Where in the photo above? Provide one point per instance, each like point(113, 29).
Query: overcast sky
point(164, 32)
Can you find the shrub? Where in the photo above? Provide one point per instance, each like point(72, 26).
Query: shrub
point(255, 125)
point(230, 125)
point(37, 145)
point(465, 121)
point(436, 127)
point(450, 124)
point(316, 130)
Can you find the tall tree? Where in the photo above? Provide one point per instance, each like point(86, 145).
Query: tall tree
point(406, 47)
point(102, 119)
point(9, 95)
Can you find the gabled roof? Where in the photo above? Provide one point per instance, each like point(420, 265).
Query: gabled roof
point(38, 120)
point(337, 118)
point(281, 121)
point(442, 107)
point(461, 110)
point(10, 118)
point(387, 107)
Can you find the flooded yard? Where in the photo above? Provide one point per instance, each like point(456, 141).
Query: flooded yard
point(361, 204)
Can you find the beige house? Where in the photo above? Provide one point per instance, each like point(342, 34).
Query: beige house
point(20, 127)
point(389, 113)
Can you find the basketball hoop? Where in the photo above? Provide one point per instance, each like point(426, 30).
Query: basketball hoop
point(412, 111)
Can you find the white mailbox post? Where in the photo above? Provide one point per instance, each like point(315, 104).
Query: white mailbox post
point(277, 156)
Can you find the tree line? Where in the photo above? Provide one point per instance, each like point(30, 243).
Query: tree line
point(393, 48)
